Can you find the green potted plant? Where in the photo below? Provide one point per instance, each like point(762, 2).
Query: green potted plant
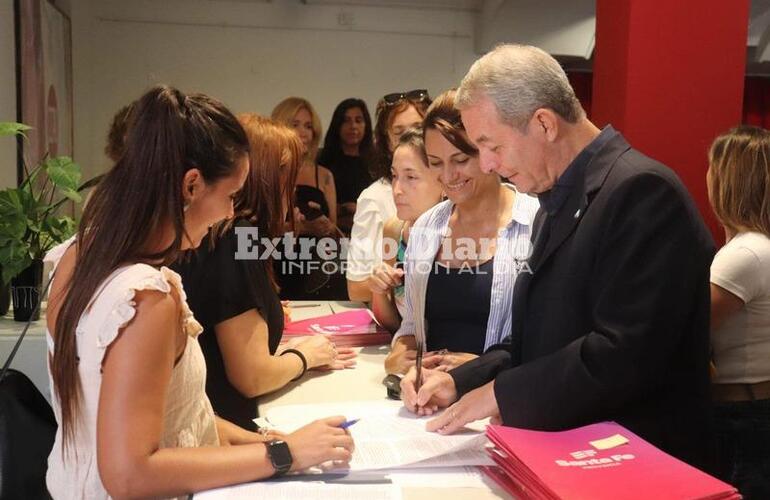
point(31, 223)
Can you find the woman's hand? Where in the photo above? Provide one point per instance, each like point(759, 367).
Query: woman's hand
point(444, 360)
point(400, 363)
point(286, 311)
point(402, 356)
point(319, 442)
point(318, 350)
point(345, 359)
point(384, 278)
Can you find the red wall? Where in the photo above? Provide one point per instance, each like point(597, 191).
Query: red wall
point(669, 76)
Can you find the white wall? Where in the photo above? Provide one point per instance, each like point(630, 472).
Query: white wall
point(7, 93)
point(251, 55)
point(565, 28)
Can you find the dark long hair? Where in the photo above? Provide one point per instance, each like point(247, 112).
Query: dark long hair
point(170, 134)
point(379, 166)
point(332, 150)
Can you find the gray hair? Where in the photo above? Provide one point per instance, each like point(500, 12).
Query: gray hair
point(519, 79)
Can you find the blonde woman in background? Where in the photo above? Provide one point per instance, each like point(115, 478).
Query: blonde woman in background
point(316, 214)
point(739, 190)
point(316, 196)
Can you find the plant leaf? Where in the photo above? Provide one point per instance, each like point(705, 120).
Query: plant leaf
point(64, 173)
point(14, 258)
point(13, 128)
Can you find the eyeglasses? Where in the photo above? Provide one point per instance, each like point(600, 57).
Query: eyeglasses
point(418, 95)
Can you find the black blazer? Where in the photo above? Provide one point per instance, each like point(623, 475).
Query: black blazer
point(615, 322)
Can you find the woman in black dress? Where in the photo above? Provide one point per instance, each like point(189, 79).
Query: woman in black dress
point(346, 153)
point(234, 295)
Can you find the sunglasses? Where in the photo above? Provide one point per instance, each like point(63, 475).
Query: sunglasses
point(418, 95)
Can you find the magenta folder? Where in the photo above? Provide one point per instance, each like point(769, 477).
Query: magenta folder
point(349, 328)
point(565, 465)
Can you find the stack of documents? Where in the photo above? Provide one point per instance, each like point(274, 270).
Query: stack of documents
point(388, 436)
point(596, 462)
point(355, 328)
point(393, 450)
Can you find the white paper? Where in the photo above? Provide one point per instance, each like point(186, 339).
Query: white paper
point(303, 490)
point(388, 436)
point(445, 477)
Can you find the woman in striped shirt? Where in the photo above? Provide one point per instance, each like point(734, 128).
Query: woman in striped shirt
point(463, 255)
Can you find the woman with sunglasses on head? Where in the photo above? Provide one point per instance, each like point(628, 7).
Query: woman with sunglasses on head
point(459, 272)
point(125, 366)
point(396, 113)
point(233, 292)
point(416, 188)
point(738, 182)
point(346, 153)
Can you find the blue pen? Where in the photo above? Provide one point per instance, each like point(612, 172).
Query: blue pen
point(348, 423)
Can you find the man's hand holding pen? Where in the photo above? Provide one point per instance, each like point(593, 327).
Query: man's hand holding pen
point(438, 391)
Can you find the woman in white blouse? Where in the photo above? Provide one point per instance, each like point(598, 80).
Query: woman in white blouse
point(461, 262)
point(126, 369)
point(739, 191)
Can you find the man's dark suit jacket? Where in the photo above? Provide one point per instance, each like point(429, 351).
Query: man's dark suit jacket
point(615, 322)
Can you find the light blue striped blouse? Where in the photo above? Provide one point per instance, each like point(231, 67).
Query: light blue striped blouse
point(512, 250)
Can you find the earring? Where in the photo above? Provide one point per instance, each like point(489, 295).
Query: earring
point(185, 207)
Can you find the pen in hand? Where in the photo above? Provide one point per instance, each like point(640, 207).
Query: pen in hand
point(348, 423)
point(418, 370)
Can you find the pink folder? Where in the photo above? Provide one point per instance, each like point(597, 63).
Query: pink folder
point(565, 465)
point(349, 328)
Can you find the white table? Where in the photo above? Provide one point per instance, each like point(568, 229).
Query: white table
point(363, 383)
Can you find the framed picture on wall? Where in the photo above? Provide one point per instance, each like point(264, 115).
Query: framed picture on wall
point(44, 76)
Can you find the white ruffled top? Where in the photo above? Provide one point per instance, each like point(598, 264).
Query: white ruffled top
point(188, 418)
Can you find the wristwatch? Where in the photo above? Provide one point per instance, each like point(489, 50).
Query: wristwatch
point(280, 456)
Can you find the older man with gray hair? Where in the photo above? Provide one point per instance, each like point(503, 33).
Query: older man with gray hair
point(613, 321)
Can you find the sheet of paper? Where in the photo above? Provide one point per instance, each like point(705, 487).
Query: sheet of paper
point(303, 490)
point(388, 436)
point(445, 477)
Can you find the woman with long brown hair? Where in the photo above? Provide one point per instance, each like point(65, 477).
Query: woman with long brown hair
point(231, 288)
point(739, 191)
point(126, 369)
